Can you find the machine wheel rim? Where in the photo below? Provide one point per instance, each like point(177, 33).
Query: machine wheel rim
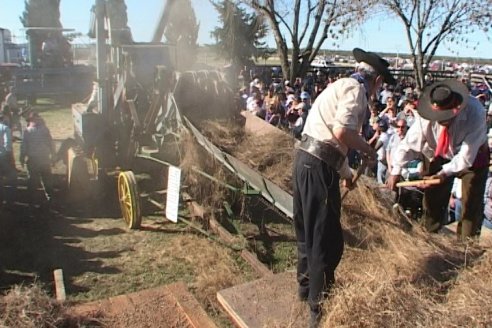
point(129, 199)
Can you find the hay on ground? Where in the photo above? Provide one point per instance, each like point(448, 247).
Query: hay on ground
point(31, 307)
point(393, 273)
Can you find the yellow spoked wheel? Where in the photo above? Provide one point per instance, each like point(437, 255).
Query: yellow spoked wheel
point(129, 199)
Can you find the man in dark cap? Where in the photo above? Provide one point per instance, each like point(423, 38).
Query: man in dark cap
point(331, 129)
point(38, 151)
point(450, 132)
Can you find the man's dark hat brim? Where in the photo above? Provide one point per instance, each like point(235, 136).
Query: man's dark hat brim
point(378, 63)
point(425, 105)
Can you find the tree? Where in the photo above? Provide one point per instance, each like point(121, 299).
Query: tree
point(120, 32)
point(430, 23)
point(241, 37)
point(43, 17)
point(306, 25)
point(182, 30)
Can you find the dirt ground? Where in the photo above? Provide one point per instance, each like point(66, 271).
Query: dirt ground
point(100, 258)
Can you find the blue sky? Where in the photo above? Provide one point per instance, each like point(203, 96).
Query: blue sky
point(378, 34)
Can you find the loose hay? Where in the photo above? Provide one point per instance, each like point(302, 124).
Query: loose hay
point(214, 268)
point(393, 274)
point(32, 307)
point(271, 155)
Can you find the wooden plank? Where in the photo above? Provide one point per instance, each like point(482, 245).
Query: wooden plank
point(267, 302)
point(418, 183)
point(198, 211)
point(261, 269)
point(259, 127)
point(174, 298)
point(219, 230)
point(190, 306)
point(231, 312)
point(59, 285)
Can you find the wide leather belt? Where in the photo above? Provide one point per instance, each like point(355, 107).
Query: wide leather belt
point(322, 150)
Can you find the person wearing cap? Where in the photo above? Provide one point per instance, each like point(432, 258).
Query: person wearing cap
point(331, 129)
point(306, 98)
point(38, 152)
point(385, 93)
point(302, 110)
point(287, 88)
point(450, 132)
point(7, 166)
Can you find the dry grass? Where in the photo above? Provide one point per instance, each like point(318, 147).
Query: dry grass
point(393, 274)
point(209, 193)
point(31, 307)
point(214, 268)
point(270, 155)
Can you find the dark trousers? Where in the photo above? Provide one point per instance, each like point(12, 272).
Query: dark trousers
point(8, 178)
point(317, 208)
point(436, 200)
point(39, 173)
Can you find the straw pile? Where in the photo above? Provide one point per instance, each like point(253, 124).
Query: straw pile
point(391, 277)
point(393, 274)
point(271, 155)
point(31, 307)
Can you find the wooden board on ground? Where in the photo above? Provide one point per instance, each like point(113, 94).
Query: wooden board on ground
point(167, 306)
point(258, 126)
point(267, 302)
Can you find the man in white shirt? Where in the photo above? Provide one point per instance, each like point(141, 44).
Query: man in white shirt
point(383, 140)
point(331, 129)
point(451, 133)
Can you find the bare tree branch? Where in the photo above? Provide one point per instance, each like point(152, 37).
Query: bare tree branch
point(429, 23)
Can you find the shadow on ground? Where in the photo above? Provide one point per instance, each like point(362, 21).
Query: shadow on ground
point(37, 239)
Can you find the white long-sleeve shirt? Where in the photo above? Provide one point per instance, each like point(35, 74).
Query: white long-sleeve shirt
point(5, 139)
point(468, 131)
point(342, 105)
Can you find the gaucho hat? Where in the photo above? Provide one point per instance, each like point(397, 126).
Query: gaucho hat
point(378, 63)
point(443, 100)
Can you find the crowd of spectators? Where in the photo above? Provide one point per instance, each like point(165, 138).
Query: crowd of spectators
point(286, 105)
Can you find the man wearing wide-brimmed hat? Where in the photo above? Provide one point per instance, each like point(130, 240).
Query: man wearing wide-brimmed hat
point(451, 133)
point(332, 127)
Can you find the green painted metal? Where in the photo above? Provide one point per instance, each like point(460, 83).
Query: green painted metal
point(267, 189)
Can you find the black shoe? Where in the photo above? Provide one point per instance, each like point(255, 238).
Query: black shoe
point(302, 294)
point(315, 319)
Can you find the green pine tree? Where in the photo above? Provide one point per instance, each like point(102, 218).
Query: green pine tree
point(182, 30)
point(240, 38)
point(43, 14)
